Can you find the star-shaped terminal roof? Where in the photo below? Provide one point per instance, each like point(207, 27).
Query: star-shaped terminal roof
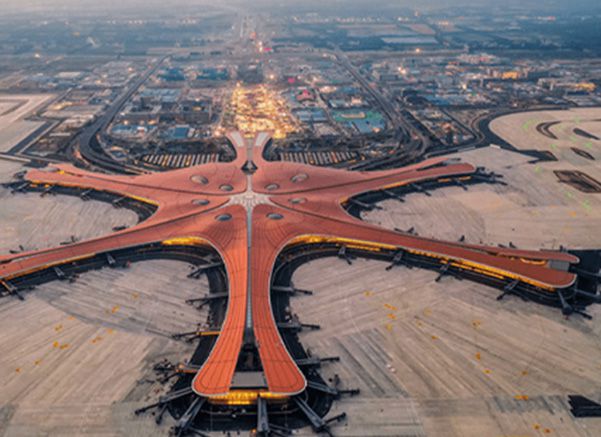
point(248, 218)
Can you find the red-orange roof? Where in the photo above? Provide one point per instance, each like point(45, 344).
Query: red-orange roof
point(296, 202)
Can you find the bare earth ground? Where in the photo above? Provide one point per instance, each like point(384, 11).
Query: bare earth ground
point(431, 358)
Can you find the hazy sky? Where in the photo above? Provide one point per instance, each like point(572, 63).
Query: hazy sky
point(78, 6)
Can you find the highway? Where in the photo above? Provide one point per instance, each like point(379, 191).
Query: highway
point(87, 142)
point(417, 143)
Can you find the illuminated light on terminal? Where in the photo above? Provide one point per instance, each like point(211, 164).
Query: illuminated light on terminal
point(499, 274)
point(185, 241)
point(349, 242)
point(209, 333)
point(246, 397)
point(487, 270)
point(143, 200)
point(532, 261)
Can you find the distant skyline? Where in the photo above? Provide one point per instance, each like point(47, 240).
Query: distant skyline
point(146, 6)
